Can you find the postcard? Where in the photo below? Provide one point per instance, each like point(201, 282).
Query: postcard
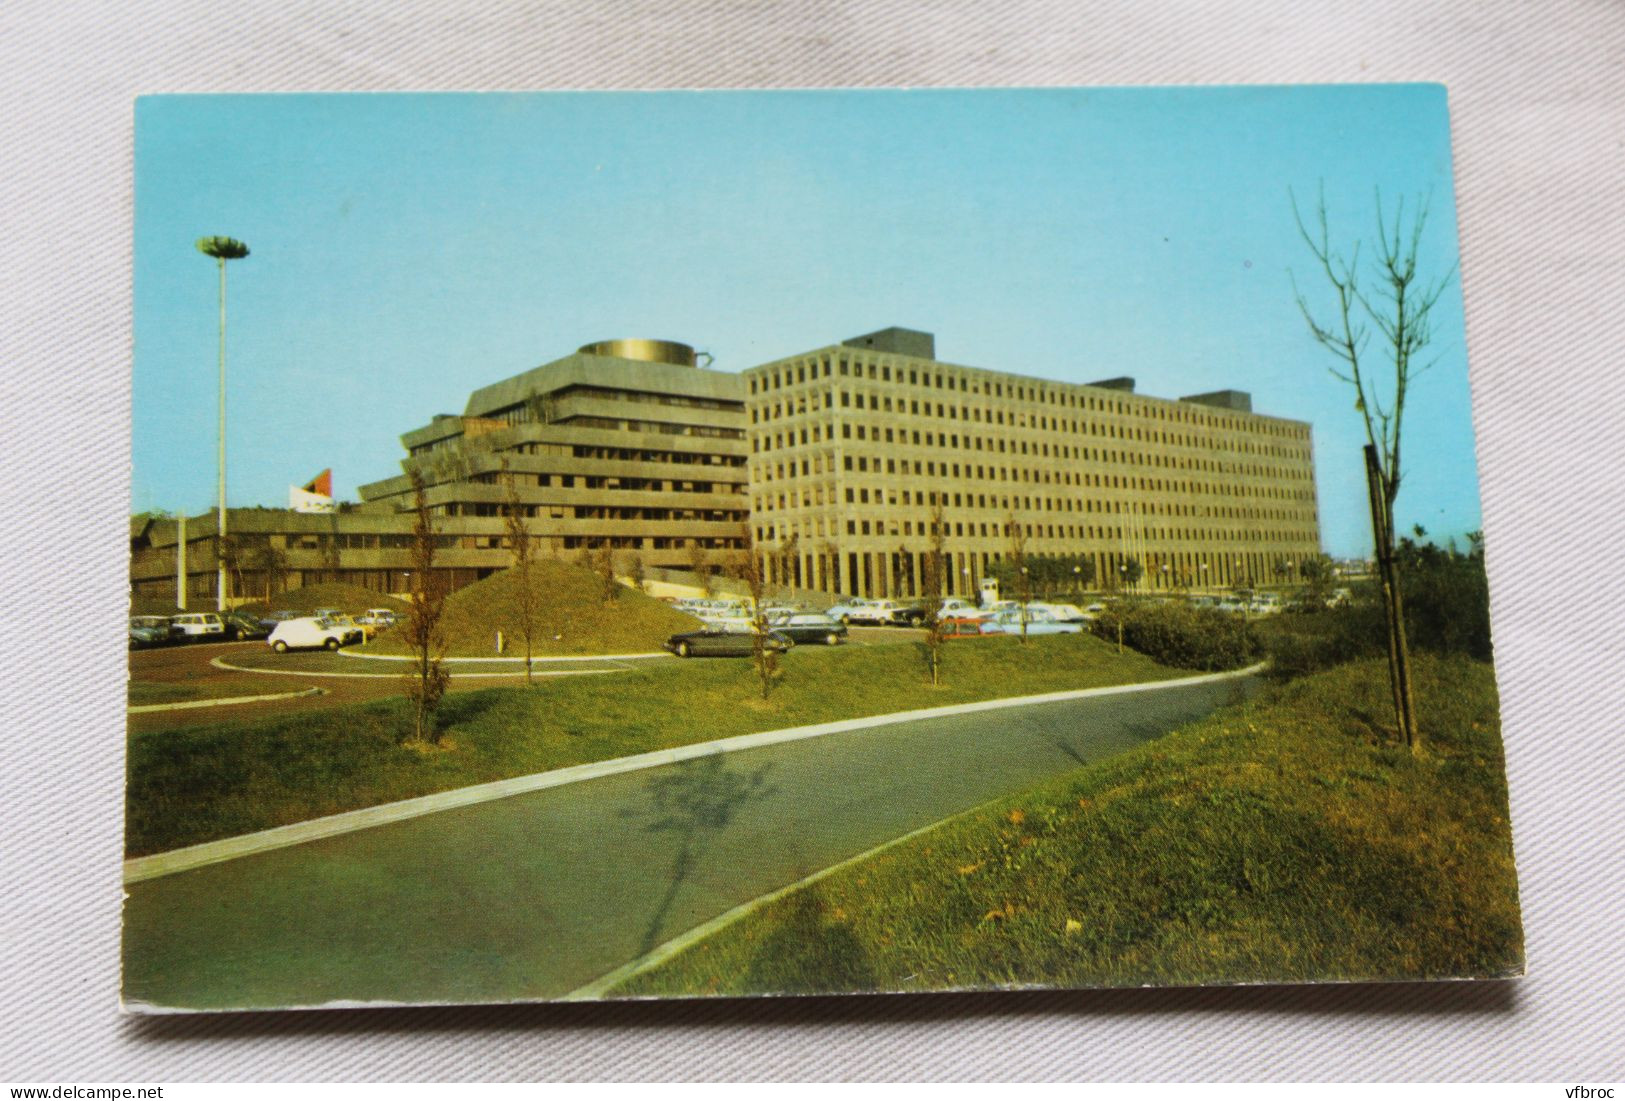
point(711, 544)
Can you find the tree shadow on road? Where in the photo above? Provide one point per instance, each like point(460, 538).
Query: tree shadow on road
point(695, 800)
point(813, 951)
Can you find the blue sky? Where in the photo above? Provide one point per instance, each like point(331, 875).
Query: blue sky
point(408, 249)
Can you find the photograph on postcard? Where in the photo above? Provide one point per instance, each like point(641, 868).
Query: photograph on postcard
point(685, 544)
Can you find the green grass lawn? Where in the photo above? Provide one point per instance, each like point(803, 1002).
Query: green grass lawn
point(142, 693)
point(201, 783)
point(1280, 840)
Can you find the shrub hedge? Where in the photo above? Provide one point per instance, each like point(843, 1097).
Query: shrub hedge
point(1180, 635)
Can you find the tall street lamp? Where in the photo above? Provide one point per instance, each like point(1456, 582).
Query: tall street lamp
point(222, 249)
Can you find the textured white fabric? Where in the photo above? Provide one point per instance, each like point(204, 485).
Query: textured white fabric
point(1538, 99)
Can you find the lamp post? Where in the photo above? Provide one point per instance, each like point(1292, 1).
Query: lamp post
point(222, 249)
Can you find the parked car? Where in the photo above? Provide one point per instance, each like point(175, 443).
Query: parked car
point(1033, 621)
point(876, 613)
point(809, 627)
point(844, 610)
point(908, 615)
point(969, 627)
point(242, 626)
point(271, 619)
point(716, 642)
point(374, 620)
point(725, 615)
point(954, 606)
point(353, 631)
point(149, 630)
point(308, 632)
point(1064, 613)
point(198, 626)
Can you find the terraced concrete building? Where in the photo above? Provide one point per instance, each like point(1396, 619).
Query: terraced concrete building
point(853, 444)
point(628, 444)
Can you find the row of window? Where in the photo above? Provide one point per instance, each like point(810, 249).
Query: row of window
point(892, 498)
point(1023, 422)
point(662, 428)
point(930, 468)
point(763, 443)
point(767, 533)
point(773, 378)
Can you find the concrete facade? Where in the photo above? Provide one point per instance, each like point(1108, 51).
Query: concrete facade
point(640, 455)
point(852, 444)
point(834, 458)
point(624, 444)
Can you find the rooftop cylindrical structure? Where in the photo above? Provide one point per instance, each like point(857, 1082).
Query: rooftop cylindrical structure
point(649, 351)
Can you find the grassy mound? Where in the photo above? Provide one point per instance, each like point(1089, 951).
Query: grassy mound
point(1280, 840)
point(571, 616)
point(331, 594)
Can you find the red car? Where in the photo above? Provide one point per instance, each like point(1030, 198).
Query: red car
point(968, 627)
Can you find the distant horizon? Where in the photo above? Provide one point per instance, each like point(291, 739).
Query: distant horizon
point(408, 249)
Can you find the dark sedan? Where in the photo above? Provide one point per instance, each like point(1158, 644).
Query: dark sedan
point(715, 642)
point(806, 627)
point(240, 626)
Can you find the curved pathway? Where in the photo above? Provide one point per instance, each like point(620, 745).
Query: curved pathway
point(534, 896)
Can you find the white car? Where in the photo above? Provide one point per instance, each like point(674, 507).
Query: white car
point(197, 626)
point(847, 608)
point(308, 632)
point(1063, 613)
point(876, 612)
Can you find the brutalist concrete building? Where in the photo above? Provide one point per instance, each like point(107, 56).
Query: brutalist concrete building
point(628, 444)
point(853, 446)
point(836, 458)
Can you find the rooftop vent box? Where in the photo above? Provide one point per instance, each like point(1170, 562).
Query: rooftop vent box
point(1122, 382)
point(903, 342)
point(1239, 400)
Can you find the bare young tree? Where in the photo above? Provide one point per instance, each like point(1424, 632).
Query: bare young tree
point(519, 545)
point(602, 562)
point(427, 681)
point(271, 564)
point(703, 568)
point(632, 565)
point(831, 555)
point(784, 561)
point(1016, 532)
point(752, 568)
point(1398, 305)
point(933, 573)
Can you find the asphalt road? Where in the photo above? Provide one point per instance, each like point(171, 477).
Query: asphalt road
point(192, 664)
point(533, 896)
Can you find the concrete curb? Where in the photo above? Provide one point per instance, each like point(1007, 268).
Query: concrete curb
point(595, 990)
point(221, 663)
point(149, 707)
point(297, 833)
point(520, 661)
